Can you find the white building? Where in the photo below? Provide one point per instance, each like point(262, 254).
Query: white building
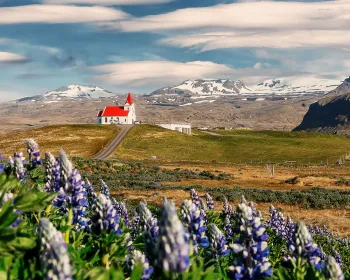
point(118, 114)
point(184, 128)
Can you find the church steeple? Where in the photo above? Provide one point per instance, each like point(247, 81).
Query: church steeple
point(129, 99)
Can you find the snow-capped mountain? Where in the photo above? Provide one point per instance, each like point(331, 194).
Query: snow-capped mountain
point(77, 91)
point(307, 84)
point(205, 87)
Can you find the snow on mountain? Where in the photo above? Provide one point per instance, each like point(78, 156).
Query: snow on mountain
point(344, 88)
point(77, 91)
point(205, 87)
point(307, 84)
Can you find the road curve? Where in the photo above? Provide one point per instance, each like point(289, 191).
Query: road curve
point(112, 145)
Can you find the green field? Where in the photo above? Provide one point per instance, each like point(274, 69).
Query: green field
point(236, 146)
point(83, 140)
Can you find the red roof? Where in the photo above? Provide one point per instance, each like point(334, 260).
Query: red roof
point(115, 111)
point(129, 99)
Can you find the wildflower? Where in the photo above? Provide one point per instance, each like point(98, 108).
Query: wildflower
point(209, 201)
point(105, 217)
point(2, 166)
point(332, 269)
point(52, 168)
point(195, 197)
point(251, 246)
point(89, 189)
point(302, 246)
point(228, 227)
point(137, 257)
point(33, 152)
point(172, 245)
point(227, 208)
point(217, 242)
point(104, 189)
point(147, 221)
point(54, 259)
point(193, 219)
point(338, 258)
point(19, 170)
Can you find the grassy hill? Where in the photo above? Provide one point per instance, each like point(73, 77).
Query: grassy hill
point(76, 140)
point(236, 146)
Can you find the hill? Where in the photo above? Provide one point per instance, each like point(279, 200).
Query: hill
point(330, 114)
point(236, 146)
point(76, 140)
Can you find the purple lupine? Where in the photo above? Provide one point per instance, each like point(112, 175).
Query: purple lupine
point(54, 259)
point(2, 166)
point(227, 208)
point(19, 170)
point(290, 228)
point(338, 258)
point(193, 220)
point(52, 169)
point(90, 190)
point(195, 197)
point(209, 201)
point(172, 247)
point(104, 188)
point(302, 246)
point(277, 223)
point(125, 214)
point(218, 244)
point(332, 269)
point(136, 257)
point(135, 224)
point(228, 227)
point(72, 193)
point(251, 246)
point(105, 216)
point(33, 152)
point(147, 221)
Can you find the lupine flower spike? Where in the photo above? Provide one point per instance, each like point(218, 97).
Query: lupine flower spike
point(217, 242)
point(195, 197)
point(172, 244)
point(137, 257)
point(2, 166)
point(332, 269)
point(104, 188)
point(52, 168)
point(19, 169)
point(209, 201)
point(54, 259)
point(33, 152)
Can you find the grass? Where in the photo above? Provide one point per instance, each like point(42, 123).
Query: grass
point(236, 146)
point(76, 140)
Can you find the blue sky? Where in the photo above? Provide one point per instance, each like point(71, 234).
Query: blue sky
point(141, 45)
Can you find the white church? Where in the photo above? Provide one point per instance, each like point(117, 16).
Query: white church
point(118, 114)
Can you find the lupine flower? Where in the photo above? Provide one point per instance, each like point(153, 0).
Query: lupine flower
point(33, 152)
point(2, 166)
point(52, 168)
point(135, 224)
point(303, 246)
point(72, 193)
point(195, 197)
point(227, 208)
point(251, 246)
point(290, 228)
point(105, 216)
point(332, 269)
point(137, 257)
point(90, 190)
point(193, 219)
point(104, 189)
point(19, 170)
point(172, 245)
point(338, 258)
point(147, 221)
point(277, 223)
point(11, 161)
point(54, 259)
point(217, 240)
point(125, 214)
point(209, 201)
point(228, 227)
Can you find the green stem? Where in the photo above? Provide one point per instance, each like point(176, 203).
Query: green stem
point(69, 223)
point(105, 261)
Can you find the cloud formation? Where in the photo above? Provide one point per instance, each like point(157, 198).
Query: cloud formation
point(58, 14)
point(163, 73)
point(6, 57)
point(108, 2)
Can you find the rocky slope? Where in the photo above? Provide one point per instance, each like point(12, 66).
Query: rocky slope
point(330, 114)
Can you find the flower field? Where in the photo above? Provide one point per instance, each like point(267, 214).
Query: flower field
point(55, 224)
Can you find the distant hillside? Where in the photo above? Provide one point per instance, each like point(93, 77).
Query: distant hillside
point(330, 114)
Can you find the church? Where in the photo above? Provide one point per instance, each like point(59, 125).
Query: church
point(118, 114)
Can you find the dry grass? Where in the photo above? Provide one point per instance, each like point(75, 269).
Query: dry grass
point(76, 140)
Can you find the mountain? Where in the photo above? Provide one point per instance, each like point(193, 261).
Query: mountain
point(74, 92)
point(205, 87)
point(330, 114)
point(301, 84)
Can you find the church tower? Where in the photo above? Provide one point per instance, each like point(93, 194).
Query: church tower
point(130, 105)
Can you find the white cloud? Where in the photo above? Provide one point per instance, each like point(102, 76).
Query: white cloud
point(6, 95)
point(58, 14)
point(141, 74)
point(6, 57)
point(108, 2)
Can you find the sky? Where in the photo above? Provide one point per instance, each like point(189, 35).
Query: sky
point(141, 45)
